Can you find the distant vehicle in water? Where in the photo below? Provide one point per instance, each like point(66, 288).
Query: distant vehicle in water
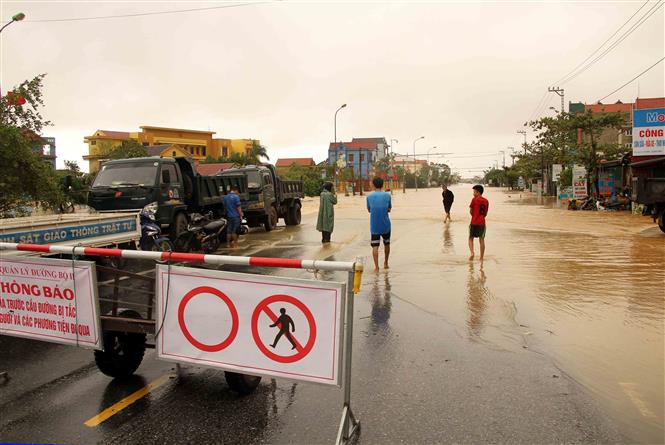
point(651, 193)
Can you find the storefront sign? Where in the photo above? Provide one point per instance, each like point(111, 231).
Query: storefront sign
point(649, 132)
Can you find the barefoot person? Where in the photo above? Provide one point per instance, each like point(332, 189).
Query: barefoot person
point(378, 206)
point(448, 199)
point(479, 207)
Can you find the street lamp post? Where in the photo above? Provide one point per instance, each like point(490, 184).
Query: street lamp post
point(414, 159)
point(15, 18)
point(392, 168)
point(428, 172)
point(335, 130)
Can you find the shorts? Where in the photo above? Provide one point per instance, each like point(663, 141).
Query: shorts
point(476, 231)
point(376, 239)
point(233, 225)
point(447, 207)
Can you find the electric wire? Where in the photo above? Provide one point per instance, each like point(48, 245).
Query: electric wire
point(603, 44)
point(631, 80)
point(143, 14)
point(623, 37)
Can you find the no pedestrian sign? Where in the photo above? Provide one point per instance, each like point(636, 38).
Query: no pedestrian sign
point(253, 324)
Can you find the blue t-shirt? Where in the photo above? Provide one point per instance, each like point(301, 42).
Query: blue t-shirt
point(378, 204)
point(231, 203)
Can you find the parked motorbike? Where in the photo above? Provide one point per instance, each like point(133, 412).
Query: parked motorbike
point(204, 233)
point(151, 233)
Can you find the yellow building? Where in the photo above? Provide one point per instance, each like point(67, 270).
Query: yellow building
point(193, 143)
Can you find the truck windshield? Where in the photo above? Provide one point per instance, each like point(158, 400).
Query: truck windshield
point(118, 175)
point(253, 180)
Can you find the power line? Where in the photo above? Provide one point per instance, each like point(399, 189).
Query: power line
point(603, 44)
point(631, 80)
point(142, 14)
point(623, 37)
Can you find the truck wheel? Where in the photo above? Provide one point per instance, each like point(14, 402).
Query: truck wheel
point(294, 215)
point(179, 225)
point(242, 383)
point(123, 351)
point(271, 220)
point(661, 222)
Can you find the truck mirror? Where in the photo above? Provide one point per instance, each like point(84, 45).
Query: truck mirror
point(166, 177)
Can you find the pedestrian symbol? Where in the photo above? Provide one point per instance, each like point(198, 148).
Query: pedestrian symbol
point(287, 328)
point(283, 322)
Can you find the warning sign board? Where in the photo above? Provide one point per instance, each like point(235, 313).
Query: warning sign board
point(253, 324)
point(50, 300)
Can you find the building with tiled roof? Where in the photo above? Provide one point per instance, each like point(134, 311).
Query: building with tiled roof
point(288, 162)
point(214, 168)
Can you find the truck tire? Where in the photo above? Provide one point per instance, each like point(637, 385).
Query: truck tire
point(661, 221)
point(271, 220)
point(123, 351)
point(242, 383)
point(179, 225)
point(294, 215)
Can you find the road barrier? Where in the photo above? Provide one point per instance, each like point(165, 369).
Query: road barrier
point(245, 324)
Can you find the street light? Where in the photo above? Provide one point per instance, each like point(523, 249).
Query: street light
point(392, 169)
point(335, 126)
point(15, 18)
point(414, 159)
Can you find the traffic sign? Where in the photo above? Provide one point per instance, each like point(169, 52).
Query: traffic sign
point(284, 328)
point(252, 324)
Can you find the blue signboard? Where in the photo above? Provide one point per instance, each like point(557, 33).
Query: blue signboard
point(71, 233)
point(649, 131)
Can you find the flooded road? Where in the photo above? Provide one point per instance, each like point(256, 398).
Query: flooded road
point(584, 288)
point(556, 337)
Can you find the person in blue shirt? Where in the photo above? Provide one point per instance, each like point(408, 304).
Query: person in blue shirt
point(233, 216)
point(378, 206)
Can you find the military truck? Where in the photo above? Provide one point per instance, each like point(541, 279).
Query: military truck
point(170, 185)
point(268, 197)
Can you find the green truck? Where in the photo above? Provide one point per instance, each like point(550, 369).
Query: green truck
point(268, 196)
point(170, 185)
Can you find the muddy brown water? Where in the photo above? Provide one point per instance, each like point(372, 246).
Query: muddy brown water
point(584, 288)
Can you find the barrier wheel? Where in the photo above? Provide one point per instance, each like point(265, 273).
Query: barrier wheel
point(242, 383)
point(123, 351)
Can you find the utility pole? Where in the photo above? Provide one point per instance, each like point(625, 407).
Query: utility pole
point(503, 152)
point(523, 133)
point(512, 156)
point(558, 91)
point(335, 136)
point(392, 168)
point(415, 176)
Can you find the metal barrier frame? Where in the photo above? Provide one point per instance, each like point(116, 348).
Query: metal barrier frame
point(349, 424)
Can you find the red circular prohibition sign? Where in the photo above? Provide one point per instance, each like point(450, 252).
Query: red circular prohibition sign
point(263, 306)
point(232, 309)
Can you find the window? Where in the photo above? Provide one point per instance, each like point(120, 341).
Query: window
point(351, 158)
point(169, 174)
point(145, 144)
point(174, 154)
point(93, 142)
point(362, 157)
point(628, 132)
point(225, 152)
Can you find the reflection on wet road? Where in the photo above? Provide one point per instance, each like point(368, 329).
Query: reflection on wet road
point(445, 350)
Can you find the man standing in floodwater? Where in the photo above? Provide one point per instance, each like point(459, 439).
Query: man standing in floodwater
point(378, 206)
point(284, 322)
point(479, 207)
point(448, 199)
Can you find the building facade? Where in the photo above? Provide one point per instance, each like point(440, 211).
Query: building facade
point(359, 155)
point(191, 143)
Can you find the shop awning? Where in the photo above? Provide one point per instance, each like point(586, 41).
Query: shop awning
point(646, 163)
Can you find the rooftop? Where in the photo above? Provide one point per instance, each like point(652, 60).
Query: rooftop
point(287, 162)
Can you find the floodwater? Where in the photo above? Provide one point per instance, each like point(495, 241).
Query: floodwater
point(584, 288)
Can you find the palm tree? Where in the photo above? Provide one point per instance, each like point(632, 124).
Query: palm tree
point(257, 152)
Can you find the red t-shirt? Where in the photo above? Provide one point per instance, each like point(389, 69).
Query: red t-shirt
point(479, 207)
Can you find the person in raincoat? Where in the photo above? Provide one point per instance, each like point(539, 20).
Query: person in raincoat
point(326, 220)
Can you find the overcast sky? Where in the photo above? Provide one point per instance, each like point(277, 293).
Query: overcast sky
point(464, 75)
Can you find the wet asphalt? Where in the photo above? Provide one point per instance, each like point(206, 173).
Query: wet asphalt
point(417, 378)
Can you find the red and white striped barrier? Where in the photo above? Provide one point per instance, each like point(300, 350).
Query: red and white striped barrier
point(185, 257)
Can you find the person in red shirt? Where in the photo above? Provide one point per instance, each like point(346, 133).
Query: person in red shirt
point(479, 207)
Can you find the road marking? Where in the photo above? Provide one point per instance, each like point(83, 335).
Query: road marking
point(631, 391)
point(124, 403)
